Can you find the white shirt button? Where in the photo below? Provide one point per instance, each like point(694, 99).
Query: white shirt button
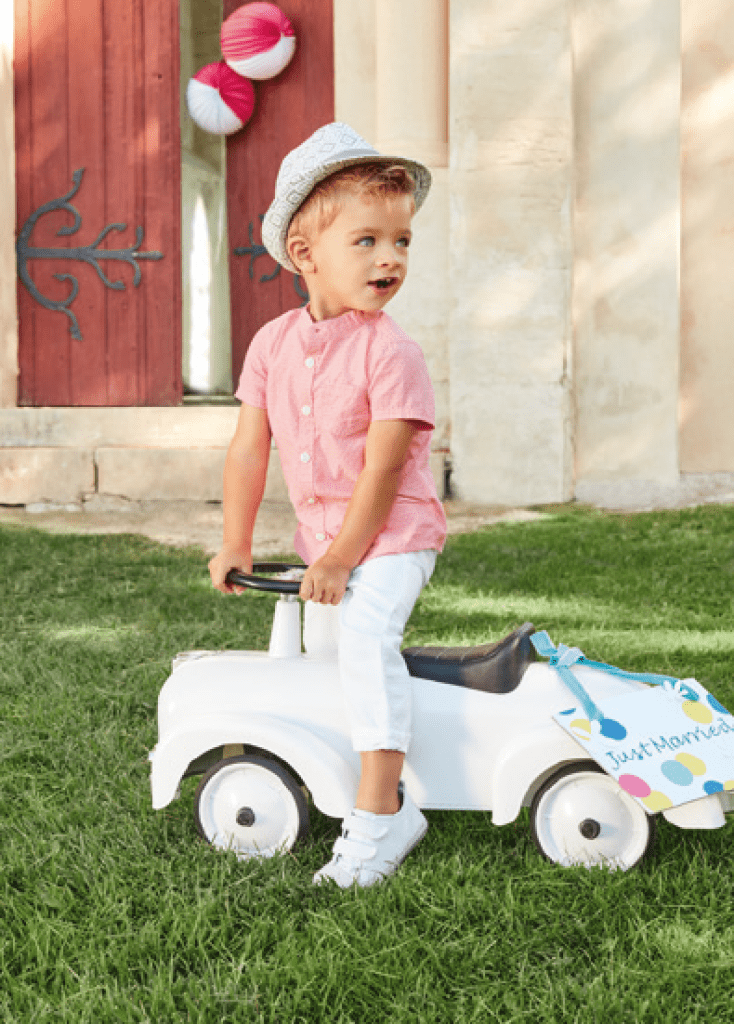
point(312, 501)
point(310, 362)
point(320, 536)
point(305, 457)
point(306, 410)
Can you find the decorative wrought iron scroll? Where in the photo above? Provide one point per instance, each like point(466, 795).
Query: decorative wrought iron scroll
point(253, 250)
point(87, 253)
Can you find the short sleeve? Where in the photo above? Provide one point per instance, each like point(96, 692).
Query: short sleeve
point(252, 388)
point(399, 385)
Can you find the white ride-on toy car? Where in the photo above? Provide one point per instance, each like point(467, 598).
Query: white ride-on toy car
point(267, 728)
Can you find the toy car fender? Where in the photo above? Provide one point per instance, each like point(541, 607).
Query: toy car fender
point(523, 764)
point(705, 813)
point(331, 780)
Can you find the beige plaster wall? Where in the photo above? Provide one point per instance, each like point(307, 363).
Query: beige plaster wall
point(626, 301)
point(707, 250)
point(8, 302)
point(355, 62)
point(412, 108)
point(510, 131)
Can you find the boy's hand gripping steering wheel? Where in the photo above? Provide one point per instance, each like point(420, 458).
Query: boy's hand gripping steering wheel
point(274, 586)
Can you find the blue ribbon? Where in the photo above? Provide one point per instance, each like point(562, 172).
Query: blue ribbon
point(561, 658)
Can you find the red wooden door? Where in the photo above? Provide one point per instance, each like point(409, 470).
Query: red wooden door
point(97, 88)
point(288, 109)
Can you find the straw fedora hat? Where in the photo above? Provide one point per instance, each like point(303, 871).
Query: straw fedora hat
point(329, 149)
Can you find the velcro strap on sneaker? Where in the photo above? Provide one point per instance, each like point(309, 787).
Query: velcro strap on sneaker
point(365, 828)
point(352, 848)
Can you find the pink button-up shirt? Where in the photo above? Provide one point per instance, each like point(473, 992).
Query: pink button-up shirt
point(323, 383)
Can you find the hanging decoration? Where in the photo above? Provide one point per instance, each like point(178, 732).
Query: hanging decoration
point(258, 40)
point(219, 100)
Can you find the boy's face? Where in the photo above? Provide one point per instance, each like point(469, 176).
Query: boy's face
point(361, 259)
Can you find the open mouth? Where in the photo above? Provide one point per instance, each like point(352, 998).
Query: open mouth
point(383, 284)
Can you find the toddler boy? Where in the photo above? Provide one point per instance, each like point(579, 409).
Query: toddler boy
point(347, 397)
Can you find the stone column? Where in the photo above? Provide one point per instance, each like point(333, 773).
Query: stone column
point(8, 278)
point(707, 238)
point(626, 303)
point(354, 66)
point(391, 80)
point(510, 130)
point(412, 79)
point(411, 93)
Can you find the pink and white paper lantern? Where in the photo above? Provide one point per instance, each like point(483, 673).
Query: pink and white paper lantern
point(220, 100)
point(258, 40)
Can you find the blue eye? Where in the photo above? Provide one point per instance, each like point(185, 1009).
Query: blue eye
point(405, 242)
point(367, 240)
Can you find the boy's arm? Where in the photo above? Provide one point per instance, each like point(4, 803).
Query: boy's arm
point(245, 469)
point(373, 497)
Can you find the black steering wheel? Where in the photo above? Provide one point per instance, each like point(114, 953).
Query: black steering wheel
point(258, 582)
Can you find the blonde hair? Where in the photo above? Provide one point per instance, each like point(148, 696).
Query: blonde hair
point(323, 203)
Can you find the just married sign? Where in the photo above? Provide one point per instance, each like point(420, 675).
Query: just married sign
point(665, 746)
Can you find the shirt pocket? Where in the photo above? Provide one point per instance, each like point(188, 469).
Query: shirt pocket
point(341, 409)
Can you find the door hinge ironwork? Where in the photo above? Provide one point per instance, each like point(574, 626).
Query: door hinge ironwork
point(90, 254)
point(254, 251)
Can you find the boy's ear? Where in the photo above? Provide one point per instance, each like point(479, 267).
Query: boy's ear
point(299, 250)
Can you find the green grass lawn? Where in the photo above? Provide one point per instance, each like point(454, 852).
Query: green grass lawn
point(111, 912)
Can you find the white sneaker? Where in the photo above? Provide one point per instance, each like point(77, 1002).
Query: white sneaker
point(372, 846)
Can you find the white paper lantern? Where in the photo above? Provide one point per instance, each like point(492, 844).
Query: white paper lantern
point(258, 40)
point(219, 100)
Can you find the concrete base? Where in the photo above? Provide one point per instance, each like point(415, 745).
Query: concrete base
point(647, 495)
point(62, 475)
point(59, 458)
point(202, 426)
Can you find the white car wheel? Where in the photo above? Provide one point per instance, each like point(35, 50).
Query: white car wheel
point(250, 805)
point(582, 816)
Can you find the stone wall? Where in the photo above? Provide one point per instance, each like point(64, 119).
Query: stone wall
point(79, 456)
point(626, 304)
point(510, 251)
point(570, 280)
point(406, 115)
point(707, 238)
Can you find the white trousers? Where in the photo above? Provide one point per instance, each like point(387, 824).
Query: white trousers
point(377, 687)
